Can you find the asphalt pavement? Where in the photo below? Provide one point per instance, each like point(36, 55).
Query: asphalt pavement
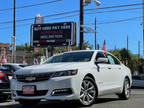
point(109, 101)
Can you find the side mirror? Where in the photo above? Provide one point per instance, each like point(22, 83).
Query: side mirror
point(101, 60)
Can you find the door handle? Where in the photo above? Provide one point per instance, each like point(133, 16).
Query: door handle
point(109, 68)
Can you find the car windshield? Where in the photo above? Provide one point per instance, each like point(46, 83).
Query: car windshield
point(84, 56)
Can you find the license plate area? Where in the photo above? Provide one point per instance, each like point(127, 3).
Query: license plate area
point(29, 89)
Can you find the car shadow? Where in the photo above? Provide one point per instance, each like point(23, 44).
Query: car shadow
point(59, 104)
point(134, 87)
point(105, 100)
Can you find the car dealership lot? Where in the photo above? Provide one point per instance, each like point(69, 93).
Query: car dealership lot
point(109, 101)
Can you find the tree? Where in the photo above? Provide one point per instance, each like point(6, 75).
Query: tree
point(65, 48)
point(129, 59)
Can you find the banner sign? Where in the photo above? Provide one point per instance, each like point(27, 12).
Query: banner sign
point(53, 34)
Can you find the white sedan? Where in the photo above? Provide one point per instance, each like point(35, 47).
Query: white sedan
point(78, 75)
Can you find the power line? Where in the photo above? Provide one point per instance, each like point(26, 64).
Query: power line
point(117, 6)
point(69, 12)
point(28, 19)
point(116, 21)
point(44, 3)
point(33, 5)
point(76, 11)
point(110, 22)
point(123, 20)
point(117, 10)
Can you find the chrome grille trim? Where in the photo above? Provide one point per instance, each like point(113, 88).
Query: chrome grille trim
point(35, 77)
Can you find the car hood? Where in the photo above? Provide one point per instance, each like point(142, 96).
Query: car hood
point(52, 67)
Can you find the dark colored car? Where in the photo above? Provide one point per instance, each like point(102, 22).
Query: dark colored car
point(6, 73)
point(137, 81)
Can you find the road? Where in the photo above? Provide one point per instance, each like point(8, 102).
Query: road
point(109, 101)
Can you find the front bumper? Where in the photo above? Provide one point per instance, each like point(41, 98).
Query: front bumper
point(58, 83)
point(4, 88)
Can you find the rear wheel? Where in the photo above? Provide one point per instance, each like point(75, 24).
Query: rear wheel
point(88, 92)
point(26, 102)
point(126, 90)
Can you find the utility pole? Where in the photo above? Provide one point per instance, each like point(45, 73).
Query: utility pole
point(115, 47)
point(14, 35)
point(81, 23)
point(95, 36)
point(143, 28)
point(98, 46)
point(127, 43)
point(138, 49)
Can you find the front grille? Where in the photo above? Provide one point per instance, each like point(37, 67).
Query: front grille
point(37, 93)
point(33, 77)
point(4, 86)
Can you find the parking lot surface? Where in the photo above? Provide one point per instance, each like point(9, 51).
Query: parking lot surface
point(109, 101)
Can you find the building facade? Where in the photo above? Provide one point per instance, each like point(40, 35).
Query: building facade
point(5, 51)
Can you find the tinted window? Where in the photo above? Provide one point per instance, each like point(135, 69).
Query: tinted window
point(71, 57)
point(100, 55)
point(5, 69)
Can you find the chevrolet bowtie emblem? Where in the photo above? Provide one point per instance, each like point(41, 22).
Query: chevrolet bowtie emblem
point(30, 78)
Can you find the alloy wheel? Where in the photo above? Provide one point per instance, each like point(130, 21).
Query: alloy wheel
point(88, 92)
point(127, 89)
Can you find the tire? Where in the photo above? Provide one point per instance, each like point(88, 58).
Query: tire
point(26, 102)
point(88, 93)
point(125, 95)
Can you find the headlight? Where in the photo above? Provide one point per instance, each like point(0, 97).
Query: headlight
point(64, 73)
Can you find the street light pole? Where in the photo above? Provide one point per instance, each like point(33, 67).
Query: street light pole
point(82, 19)
point(14, 34)
point(81, 24)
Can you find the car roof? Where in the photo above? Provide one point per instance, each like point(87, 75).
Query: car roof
point(84, 51)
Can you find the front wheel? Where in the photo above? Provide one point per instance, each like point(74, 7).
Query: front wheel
point(26, 102)
point(126, 90)
point(88, 92)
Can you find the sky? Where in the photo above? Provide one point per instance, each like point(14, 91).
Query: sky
point(115, 34)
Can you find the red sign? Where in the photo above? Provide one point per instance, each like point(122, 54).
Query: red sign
point(28, 89)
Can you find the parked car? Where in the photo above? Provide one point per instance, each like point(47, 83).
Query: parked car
point(6, 73)
point(138, 81)
point(78, 75)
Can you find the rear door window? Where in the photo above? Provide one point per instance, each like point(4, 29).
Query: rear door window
point(110, 59)
point(113, 60)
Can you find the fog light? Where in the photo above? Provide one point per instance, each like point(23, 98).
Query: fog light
point(58, 92)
